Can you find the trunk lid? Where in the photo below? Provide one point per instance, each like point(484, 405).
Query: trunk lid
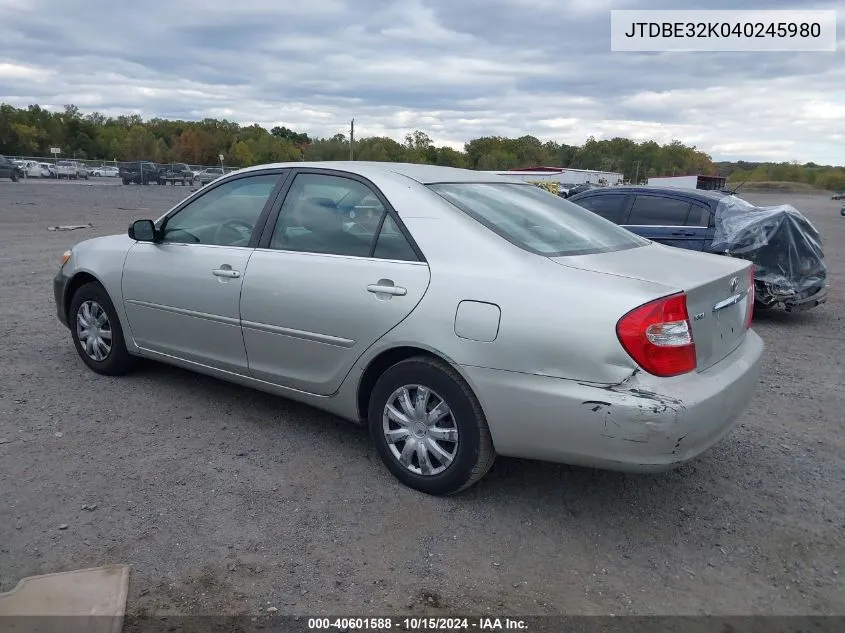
point(716, 287)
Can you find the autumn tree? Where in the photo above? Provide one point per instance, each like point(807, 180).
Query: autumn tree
point(33, 130)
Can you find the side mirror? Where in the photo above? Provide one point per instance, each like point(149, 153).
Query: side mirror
point(143, 231)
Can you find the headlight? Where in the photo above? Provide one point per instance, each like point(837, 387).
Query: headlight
point(65, 257)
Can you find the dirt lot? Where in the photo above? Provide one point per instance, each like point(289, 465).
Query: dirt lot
point(227, 500)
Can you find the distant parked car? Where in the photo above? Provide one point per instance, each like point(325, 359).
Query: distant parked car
point(8, 169)
point(71, 169)
point(105, 171)
point(784, 246)
point(839, 195)
point(176, 173)
point(581, 188)
point(366, 289)
point(139, 172)
point(208, 175)
point(30, 168)
point(47, 170)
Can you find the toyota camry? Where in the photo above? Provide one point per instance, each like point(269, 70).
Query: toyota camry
point(458, 315)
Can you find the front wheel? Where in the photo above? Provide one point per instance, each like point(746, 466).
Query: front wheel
point(96, 331)
point(14, 176)
point(428, 427)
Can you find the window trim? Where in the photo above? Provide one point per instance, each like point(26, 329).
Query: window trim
point(276, 214)
point(266, 211)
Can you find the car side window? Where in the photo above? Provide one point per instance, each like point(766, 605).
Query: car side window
point(608, 206)
point(392, 244)
point(658, 211)
point(328, 214)
point(225, 216)
point(698, 216)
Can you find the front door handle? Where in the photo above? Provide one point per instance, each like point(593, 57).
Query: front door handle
point(226, 272)
point(383, 288)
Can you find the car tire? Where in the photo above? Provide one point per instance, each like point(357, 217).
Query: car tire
point(126, 181)
point(13, 176)
point(458, 463)
point(91, 301)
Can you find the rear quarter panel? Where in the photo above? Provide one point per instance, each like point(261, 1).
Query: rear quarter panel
point(555, 321)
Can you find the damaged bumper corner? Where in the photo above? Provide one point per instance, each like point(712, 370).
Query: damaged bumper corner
point(642, 424)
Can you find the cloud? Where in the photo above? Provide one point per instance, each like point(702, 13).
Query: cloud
point(458, 69)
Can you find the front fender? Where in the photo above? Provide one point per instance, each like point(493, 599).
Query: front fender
point(102, 259)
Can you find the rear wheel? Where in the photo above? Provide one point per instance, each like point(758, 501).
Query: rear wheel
point(428, 427)
point(96, 331)
point(14, 176)
point(126, 181)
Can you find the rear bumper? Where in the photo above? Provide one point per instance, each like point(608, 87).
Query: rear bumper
point(643, 424)
point(806, 300)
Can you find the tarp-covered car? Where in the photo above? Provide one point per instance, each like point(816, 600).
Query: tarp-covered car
point(784, 246)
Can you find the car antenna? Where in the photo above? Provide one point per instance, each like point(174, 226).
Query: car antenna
point(734, 191)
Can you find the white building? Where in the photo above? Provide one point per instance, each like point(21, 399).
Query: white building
point(563, 175)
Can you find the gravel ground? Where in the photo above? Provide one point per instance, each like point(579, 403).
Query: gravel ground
point(226, 500)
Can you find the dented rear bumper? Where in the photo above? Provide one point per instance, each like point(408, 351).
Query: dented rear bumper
point(644, 423)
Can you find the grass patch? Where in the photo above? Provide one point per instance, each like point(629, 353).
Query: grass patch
point(777, 187)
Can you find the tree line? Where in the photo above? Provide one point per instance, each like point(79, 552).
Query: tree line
point(33, 130)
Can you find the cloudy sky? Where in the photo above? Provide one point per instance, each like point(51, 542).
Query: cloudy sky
point(457, 69)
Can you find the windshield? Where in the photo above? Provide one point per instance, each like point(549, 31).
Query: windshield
point(536, 220)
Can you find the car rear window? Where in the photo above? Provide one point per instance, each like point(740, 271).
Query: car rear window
point(536, 220)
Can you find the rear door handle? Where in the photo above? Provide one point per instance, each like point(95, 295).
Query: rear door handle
point(226, 272)
point(396, 291)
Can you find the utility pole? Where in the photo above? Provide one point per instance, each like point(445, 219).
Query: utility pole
point(637, 177)
point(352, 140)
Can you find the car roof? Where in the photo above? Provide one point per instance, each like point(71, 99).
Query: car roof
point(701, 194)
point(424, 174)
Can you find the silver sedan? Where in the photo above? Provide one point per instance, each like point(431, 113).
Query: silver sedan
point(457, 314)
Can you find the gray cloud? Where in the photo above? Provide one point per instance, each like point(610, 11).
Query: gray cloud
point(456, 68)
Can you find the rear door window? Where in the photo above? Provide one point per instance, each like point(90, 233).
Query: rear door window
point(610, 206)
point(698, 216)
point(650, 210)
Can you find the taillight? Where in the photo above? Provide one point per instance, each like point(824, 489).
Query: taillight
point(658, 336)
point(749, 311)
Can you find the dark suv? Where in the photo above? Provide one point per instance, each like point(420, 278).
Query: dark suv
point(9, 170)
point(176, 172)
point(139, 172)
point(784, 246)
